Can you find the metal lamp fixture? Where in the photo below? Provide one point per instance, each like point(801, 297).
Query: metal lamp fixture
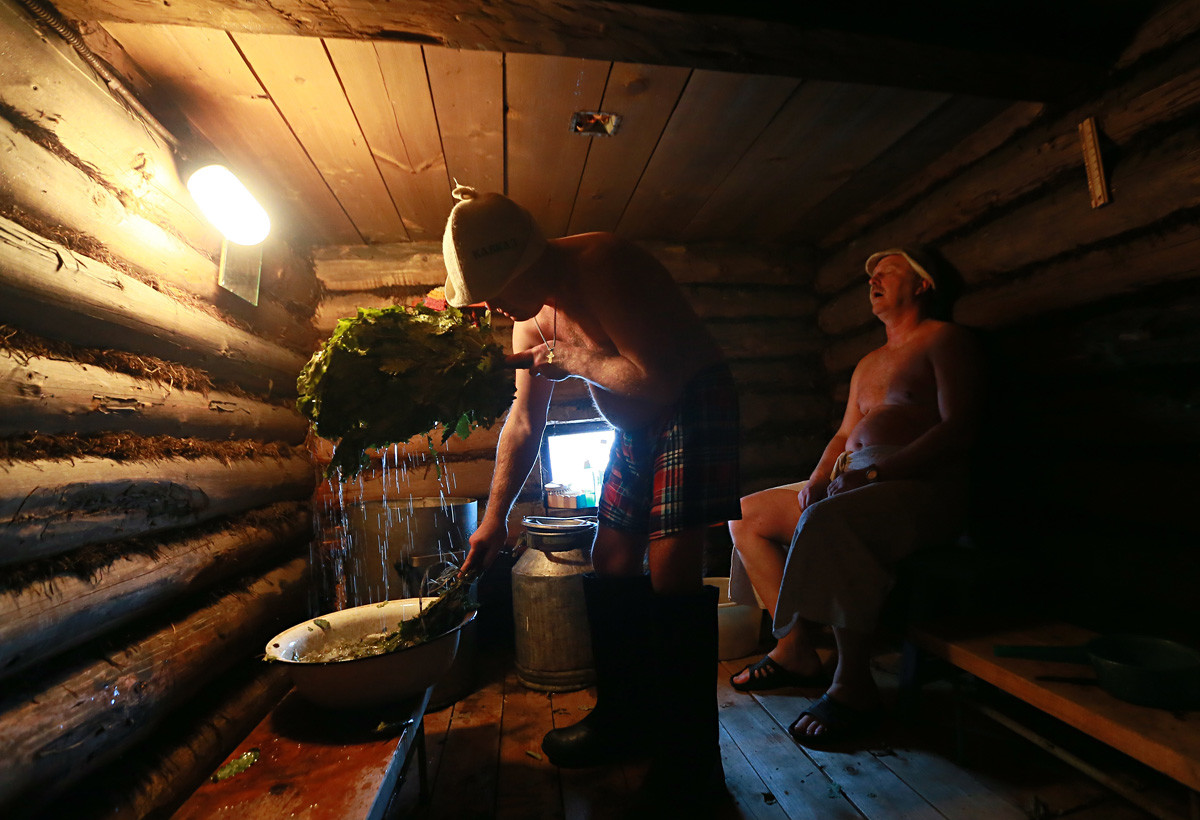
point(228, 205)
point(234, 211)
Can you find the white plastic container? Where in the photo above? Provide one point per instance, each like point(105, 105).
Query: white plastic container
point(738, 625)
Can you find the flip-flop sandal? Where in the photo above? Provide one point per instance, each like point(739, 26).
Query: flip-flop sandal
point(841, 723)
point(766, 674)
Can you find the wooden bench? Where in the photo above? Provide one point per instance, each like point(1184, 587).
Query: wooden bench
point(316, 762)
point(1168, 742)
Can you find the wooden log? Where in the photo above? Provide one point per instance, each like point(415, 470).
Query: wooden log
point(928, 154)
point(1149, 188)
point(64, 725)
point(801, 373)
point(759, 338)
point(779, 411)
point(1038, 156)
point(339, 306)
point(57, 193)
point(1101, 273)
point(44, 80)
point(849, 310)
point(52, 506)
point(55, 396)
point(770, 302)
point(462, 479)
point(288, 277)
point(50, 617)
point(1171, 22)
point(783, 459)
point(720, 262)
point(160, 774)
point(1150, 335)
point(420, 264)
point(48, 290)
point(1153, 187)
point(366, 267)
point(480, 444)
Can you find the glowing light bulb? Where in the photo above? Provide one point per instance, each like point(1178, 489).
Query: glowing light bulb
point(227, 204)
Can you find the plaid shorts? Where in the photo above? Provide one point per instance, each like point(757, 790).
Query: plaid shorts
point(683, 474)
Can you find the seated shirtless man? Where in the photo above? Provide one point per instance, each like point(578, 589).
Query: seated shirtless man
point(892, 479)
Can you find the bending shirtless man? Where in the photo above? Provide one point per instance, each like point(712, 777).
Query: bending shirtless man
point(598, 308)
point(892, 479)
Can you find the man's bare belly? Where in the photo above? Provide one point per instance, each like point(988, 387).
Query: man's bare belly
point(895, 424)
point(629, 413)
point(626, 412)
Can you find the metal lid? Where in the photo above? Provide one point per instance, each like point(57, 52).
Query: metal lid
point(544, 525)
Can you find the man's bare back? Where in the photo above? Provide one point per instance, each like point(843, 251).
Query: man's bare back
point(594, 315)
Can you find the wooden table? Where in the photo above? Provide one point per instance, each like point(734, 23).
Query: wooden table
point(318, 764)
point(1168, 742)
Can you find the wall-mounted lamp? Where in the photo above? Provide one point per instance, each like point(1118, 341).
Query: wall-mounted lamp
point(234, 211)
point(226, 203)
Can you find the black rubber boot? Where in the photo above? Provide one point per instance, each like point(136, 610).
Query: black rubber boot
point(686, 778)
point(621, 621)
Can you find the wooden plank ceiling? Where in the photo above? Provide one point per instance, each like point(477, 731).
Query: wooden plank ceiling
point(351, 122)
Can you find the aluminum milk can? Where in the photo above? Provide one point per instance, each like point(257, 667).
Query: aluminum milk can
point(553, 643)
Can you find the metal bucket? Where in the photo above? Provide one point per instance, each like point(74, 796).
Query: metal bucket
point(385, 537)
point(553, 643)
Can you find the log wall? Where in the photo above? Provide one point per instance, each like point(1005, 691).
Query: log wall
point(1089, 318)
point(156, 504)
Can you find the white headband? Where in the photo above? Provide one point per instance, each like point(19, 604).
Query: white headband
point(917, 267)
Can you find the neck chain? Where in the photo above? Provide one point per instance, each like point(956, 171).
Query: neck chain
point(549, 345)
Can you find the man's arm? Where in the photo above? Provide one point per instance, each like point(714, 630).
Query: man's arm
point(650, 324)
point(520, 440)
point(818, 483)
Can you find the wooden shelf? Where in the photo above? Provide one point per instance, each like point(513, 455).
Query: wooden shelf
point(1166, 741)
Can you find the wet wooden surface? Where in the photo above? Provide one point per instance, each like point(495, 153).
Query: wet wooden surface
point(316, 763)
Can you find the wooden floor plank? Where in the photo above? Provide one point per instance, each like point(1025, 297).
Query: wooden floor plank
point(798, 784)
point(753, 798)
point(528, 783)
point(600, 793)
point(437, 730)
point(1015, 770)
point(921, 752)
point(867, 783)
point(466, 781)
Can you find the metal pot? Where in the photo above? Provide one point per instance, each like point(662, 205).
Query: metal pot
point(384, 539)
point(1140, 669)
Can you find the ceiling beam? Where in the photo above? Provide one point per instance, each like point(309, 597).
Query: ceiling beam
point(932, 50)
